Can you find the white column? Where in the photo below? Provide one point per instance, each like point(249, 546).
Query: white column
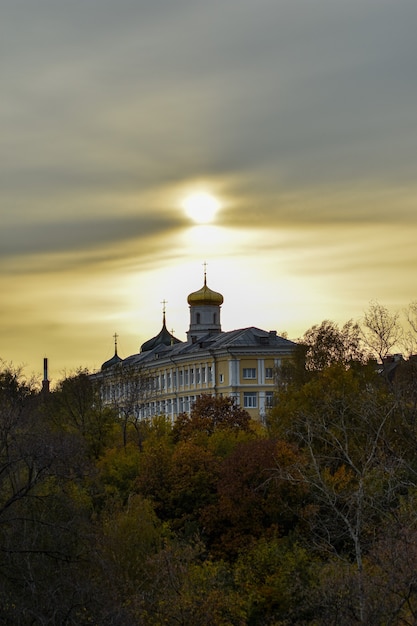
point(261, 371)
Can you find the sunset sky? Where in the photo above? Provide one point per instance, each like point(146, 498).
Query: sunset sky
point(298, 116)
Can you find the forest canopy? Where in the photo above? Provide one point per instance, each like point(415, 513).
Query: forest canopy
point(217, 519)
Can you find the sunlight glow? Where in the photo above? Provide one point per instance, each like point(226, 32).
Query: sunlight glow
point(201, 207)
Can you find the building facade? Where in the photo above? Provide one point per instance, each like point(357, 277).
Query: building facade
point(167, 375)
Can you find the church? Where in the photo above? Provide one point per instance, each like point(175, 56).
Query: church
point(171, 374)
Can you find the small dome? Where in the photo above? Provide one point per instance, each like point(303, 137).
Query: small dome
point(205, 296)
point(115, 360)
point(163, 338)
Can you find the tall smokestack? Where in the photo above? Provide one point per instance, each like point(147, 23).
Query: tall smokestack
point(45, 382)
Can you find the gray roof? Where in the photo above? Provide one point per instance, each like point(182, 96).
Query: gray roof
point(250, 339)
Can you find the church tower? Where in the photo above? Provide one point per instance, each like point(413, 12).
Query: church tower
point(204, 312)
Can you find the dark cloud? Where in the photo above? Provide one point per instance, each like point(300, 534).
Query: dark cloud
point(78, 235)
point(320, 92)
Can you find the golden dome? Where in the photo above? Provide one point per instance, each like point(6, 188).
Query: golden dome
point(205, 296)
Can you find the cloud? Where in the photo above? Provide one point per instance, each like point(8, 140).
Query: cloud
point(61, 236)
point(300, 115)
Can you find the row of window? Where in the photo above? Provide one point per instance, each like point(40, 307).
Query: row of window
point(183, 404)
point(250, 372)
point(200, 375)
point(250, 399)
point(186, 377)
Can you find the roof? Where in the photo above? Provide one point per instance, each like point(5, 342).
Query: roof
point(250, 339)
point(115, 360)
point(163, 338)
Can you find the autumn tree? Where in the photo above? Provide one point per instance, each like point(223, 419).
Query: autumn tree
point(250, 499)
point(327, 344)
point(355, 475)
point(211, 413)
point(193, 477)
point(321, 346)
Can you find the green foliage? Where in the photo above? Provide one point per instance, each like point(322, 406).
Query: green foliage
point(187, 590)
point(320, 347)
point(154, 475)
point(129, 535)
point(193, 477)
point(328, 344)
point(277, 578)
point(118, 468)
point(76, 407)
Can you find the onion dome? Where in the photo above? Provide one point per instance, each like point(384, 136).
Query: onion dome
point(115, 360)
point(205, 296)
point(163, 338)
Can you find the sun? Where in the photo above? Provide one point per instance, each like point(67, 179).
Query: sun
point(201, 207)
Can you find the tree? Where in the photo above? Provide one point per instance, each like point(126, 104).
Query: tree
point(251, 500)
point(322, 346)
point(130, 389)
point(25, 457)
point(127, 537)
point(211, 413)
point(328, 344)
point(118, 467)
point(193, 478)
point(44, 513)
point(410, 335)
point(187, 589)
point(355, 474)
point(381, 330)
point(76, 406)
point(276, 577)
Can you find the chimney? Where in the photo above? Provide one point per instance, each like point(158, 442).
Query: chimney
point(45, 382)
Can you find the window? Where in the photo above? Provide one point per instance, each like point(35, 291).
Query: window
point(269, 372)
point(174, 379)
point(203, 375)
point(197, 375)
point(221, 378)
point(250, 400)
point(198, 318)
point(181, 377)
point(185, 377)
point(169, 380)
point(269, 399)
point(210, 374)
point(249, 372)
point(191, 376)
